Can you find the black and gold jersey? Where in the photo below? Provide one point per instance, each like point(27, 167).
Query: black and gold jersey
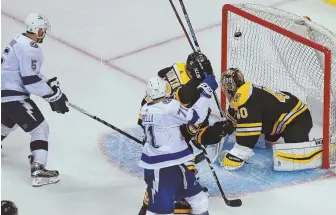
point(257, 110)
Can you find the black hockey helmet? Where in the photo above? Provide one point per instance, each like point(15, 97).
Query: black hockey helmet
point(231, 80)
point(197, 64)
point(8, 208)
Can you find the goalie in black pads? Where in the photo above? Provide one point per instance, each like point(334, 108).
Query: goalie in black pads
point(255, 110)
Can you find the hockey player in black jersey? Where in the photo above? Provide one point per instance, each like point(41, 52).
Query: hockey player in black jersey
point(183, 80)
point(256, 110)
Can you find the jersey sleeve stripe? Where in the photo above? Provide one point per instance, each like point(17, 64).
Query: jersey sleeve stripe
point(293, 117)
point(282, 116)
point(248, 129)
point(199, 135)
point(231, 118)
point(244, 134)
point(247, 125)
point(27, 80)
point(194, 118)
point(6, 93)
point(283, 121)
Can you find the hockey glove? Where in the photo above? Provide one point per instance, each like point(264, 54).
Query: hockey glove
point(208, 86)
point(57, 100)
point(197, 64)
point(224, 127)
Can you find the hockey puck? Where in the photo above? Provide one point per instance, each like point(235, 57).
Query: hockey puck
point(237, 34)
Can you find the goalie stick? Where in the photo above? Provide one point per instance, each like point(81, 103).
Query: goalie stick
point(106, 123)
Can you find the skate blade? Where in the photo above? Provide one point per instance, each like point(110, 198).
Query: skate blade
point(39, 182)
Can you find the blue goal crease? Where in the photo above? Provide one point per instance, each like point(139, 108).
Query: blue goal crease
point(257, 175)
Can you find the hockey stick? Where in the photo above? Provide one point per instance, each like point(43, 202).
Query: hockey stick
point(181, 23)
point(105, 123)
point(193, 35)
point(220, 147)
point(231, 203)
point(192, 32)
point(235, 202)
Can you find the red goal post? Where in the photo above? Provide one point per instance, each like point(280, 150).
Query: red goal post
point(269, 52)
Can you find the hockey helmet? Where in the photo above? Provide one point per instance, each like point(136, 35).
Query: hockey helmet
point(34, 22)
point(156, 88)
point(231, 80)
point(197, 64)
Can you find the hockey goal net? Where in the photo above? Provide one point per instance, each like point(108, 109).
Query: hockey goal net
point(283, 51)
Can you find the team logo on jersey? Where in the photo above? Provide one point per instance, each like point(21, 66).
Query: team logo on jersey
point(33, 44)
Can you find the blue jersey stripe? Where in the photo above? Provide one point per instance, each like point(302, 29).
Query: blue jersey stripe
point(27, 80)
point(194, 118)
point(6, 93)
point(166, 157)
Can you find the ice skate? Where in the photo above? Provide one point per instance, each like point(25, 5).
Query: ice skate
point(41, 176)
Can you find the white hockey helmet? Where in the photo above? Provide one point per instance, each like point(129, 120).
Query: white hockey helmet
point(35, 21)
point(156, 88)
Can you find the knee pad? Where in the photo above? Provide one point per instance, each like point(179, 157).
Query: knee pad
point(199, 203)
point(5, 131)
point(41, 132)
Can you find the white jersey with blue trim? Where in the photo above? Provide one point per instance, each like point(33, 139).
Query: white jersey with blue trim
point(21, 75)
point(165, 146)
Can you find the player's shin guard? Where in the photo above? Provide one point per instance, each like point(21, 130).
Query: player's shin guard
point(39, 143)
point(38, 159)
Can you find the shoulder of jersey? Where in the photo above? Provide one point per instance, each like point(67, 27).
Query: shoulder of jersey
point(172, 104)
point(242, 95)
point(29, 44)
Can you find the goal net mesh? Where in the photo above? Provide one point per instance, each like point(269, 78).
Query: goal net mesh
point(278, 62)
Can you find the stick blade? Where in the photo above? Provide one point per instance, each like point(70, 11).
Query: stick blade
point(235, 203)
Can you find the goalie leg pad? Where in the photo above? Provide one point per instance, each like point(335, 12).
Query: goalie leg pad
point(298, 156)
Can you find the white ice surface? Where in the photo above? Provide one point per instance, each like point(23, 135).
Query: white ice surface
point(90, 185)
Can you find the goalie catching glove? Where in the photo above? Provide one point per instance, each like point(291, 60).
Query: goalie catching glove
point(57, 99)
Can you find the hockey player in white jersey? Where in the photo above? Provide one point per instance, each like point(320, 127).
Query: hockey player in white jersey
point(166, 150)
point(21, 76)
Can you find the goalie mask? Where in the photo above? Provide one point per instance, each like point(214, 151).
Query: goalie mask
point(231, 80)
